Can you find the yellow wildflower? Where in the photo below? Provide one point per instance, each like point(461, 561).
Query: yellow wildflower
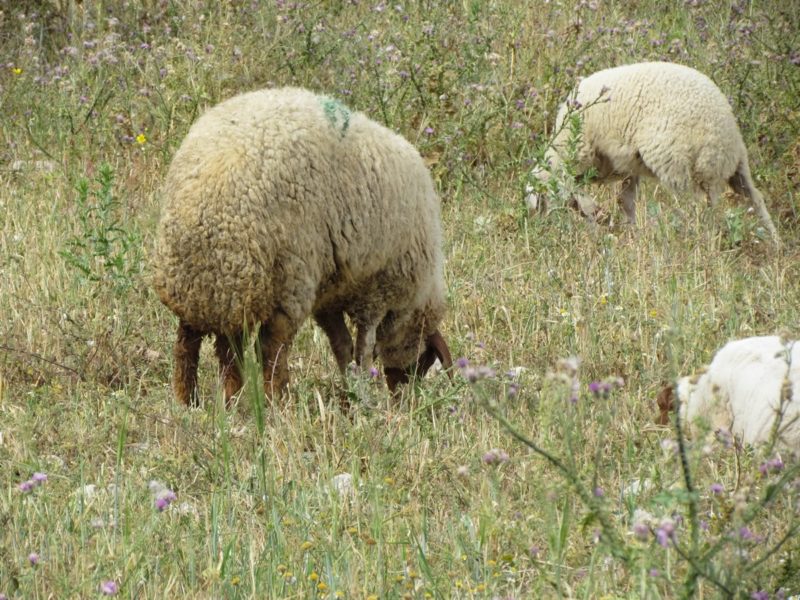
point(141, 138)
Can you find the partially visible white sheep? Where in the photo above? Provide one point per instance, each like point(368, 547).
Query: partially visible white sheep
point(281, 204)
point(749, 383)
point(654, 119)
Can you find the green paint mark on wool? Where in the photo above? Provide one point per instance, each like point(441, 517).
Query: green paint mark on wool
point(337, 113)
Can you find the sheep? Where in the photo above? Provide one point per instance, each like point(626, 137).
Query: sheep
point(281, 204)
point(749, 383)
point(653, 119)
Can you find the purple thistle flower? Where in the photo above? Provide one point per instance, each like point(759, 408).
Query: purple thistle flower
point(598, 492)
point(641, 531)
point(373, 372)
point(428, 130)
point(745, 533)
point(594, 387)
point(26, 486)
point(654, 573)
point(109, 588)
point(665, 532)
point(485, 372)
point(716, 488)
point(773, 465)
point(462, 363)
point(164, 499)
point(760, 595)
point(33, 558)
point(662, 537)
point(513, 390)
point(470, 374)
point(39, 478)
point(724, 437)
point(495, 456)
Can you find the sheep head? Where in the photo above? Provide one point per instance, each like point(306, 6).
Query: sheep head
point(435, 347)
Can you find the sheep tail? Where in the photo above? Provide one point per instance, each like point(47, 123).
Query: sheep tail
point(742, 183)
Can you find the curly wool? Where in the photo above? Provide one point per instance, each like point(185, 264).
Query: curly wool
point(660, 120)
point(284, 203)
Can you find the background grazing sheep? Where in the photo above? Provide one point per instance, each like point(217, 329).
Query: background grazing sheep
point(281, 204)
point(741, 390)
point(654, 119)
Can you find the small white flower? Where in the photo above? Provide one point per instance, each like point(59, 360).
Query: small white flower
point(343, 484)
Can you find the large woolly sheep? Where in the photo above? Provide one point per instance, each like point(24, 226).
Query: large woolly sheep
point(281, 204)
point(748, 385)
point(653, 119)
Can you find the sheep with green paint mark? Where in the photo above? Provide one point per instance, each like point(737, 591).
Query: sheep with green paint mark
point(282, 204)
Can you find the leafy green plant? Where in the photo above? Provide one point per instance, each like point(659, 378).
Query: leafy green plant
point(103, 250)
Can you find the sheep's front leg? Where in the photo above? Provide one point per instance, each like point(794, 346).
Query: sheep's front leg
point(229, 350)
point(276, 337)
point(332, 323)
point(627, 198)
point(187, 356)
point(365, 344)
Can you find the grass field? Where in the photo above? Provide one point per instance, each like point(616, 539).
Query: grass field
point(520, 483)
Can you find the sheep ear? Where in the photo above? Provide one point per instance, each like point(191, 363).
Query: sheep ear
point(666, 404)
point(435, 347)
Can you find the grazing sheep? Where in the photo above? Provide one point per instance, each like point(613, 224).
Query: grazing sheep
point(749, 383)
point(654, 119)
point(281, 204)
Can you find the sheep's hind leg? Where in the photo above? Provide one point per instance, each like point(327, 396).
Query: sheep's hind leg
point(627, 198)
point(276, 337)
point(742, 184)
point(229, 351)
point(187, 357)
point(332, 323)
